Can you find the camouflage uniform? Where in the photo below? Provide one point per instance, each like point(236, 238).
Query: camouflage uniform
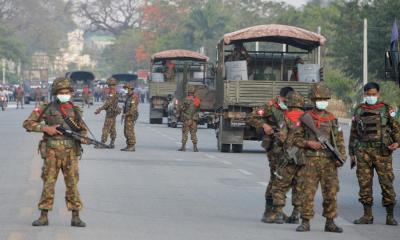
point(271, 114)
point(112, 110)
point(189, 114)
point(373, 129)
point(59, 152)
point(320, 165)
point(131, 114)
point(20, 98)
point(289, 168)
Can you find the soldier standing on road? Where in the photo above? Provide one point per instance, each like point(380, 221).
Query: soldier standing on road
point(288, 171)
point(189, 113)
point(112, 111)
point(130, 115)
point(321, 166)
point(20, 97)
point(268, 118)
point(59, 152)
point(86, 96)
point(375, 134)
point(38, 96)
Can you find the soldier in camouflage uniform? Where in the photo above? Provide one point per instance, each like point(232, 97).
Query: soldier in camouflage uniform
point(288, 171)
point(112, 111)
point(321, 167)
point(59, 152)
point(268, 118)
point(130, 115)
point(189, 112)
point(375, 134)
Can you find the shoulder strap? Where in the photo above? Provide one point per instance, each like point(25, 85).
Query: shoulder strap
point(44, 110)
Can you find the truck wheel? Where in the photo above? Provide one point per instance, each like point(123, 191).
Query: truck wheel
point(225, 148)
point(174, 125)
point(211, 125)
point(237, 148)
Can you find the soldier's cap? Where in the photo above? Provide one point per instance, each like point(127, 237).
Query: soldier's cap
point(111, 82)
point(320, 91)
point(61, 83)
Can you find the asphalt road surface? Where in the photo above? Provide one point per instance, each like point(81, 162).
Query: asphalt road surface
point(160, 193)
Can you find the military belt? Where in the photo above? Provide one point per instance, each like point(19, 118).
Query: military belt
point(54, 143)
point(370, 144)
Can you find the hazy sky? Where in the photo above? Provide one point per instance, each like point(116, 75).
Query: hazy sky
point(296, 3)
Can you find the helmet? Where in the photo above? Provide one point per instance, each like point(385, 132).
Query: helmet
point(191, 89)
point(61, 83)
point(129, 85)
point(111, 82)
point(320, 91)
point(294, 99)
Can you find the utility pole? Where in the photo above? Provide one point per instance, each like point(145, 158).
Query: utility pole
point(4, 70)
point(319, 48)
point(365, 55)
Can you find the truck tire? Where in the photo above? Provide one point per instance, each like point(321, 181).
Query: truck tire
point(174, 125)
point(237, 148)
point(225, 148)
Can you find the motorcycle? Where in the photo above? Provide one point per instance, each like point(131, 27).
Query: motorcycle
point(3, 102)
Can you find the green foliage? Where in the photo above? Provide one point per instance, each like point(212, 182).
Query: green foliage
point(390, 93)
point(342, 86)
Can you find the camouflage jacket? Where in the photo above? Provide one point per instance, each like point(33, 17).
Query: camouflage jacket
point(329, 126)
point(190, 109)
point(131, 106)
point(52, 114)
point(363, 132)
point(111, 106)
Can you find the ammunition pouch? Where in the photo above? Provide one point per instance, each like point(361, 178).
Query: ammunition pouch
point(55, 143)
point(301, 157)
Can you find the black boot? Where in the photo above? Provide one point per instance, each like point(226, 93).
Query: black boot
point(99, 146)
point(367, 218)
point(294, 218)
point(304, 226)
point(76, 221)
point(42, 220)
point(195, 149)
point(330, 226)
point(267, 211)
point(389, 217)
point(128, 148)
point(112, 143)
point(279, 215)
point(183, 148)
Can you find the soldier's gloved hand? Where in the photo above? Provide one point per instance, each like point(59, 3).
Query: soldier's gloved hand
point(51, 130)
point(393, 146)
point(353, 162)
point(97, 111)
point(84, 141)
point(315, 145)
point(338, 164)
point(268, 129)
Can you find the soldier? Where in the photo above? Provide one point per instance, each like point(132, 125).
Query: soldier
point(38, 96)
point(288, 171)
point(86, 96)
point(130, 115)
point(112, 111)
point(19, 92)
point(59, 152)
point(190, 115)
point(375, 134)
point(321, 165)
point(268, 118)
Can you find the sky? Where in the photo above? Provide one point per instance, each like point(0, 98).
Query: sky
point(296, 3)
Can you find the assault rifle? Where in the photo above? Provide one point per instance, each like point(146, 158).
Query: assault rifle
point(79, 137)
point(307, 120)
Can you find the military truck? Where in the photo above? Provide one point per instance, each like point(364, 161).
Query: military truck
point(36, 78)
point(198, 75)
point(79, 80)
point(253, 64)
point(122, 78)
point(166, 69)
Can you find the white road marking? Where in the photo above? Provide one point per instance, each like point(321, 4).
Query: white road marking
point(211, 156)
point(244, 172)
point(396, 169)
point(226, 162)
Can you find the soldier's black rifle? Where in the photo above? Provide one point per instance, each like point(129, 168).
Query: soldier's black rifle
point(79, 137)
point(308, 121)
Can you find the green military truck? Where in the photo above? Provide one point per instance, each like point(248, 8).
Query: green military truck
point(165, 71)
point(253, 64)
point(199, 75)
point(79, 80)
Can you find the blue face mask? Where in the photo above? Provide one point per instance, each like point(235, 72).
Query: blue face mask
point(63, 98)
point(321, 105)
point(283, 106)
point(371, 100)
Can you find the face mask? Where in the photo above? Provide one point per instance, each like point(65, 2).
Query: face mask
point(282, 106)
point(321, 105)
point(63, 98)
point(371, 100)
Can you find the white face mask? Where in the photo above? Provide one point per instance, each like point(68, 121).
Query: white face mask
point(321, 105)
point(63, 98)
point(371, 100)
point(283, 106)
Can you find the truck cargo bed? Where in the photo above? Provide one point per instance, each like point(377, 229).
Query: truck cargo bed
point(162, 89)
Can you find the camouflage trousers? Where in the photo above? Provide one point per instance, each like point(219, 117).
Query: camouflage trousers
point(189, 126)
point(319, 170)
point(20, 102)
point(368, 160)
point(291, 178)
point(129, 131)
point(63, 159)
point(109, 128)
point(273, 162)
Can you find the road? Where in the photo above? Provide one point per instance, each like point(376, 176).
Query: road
point(160, 193)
